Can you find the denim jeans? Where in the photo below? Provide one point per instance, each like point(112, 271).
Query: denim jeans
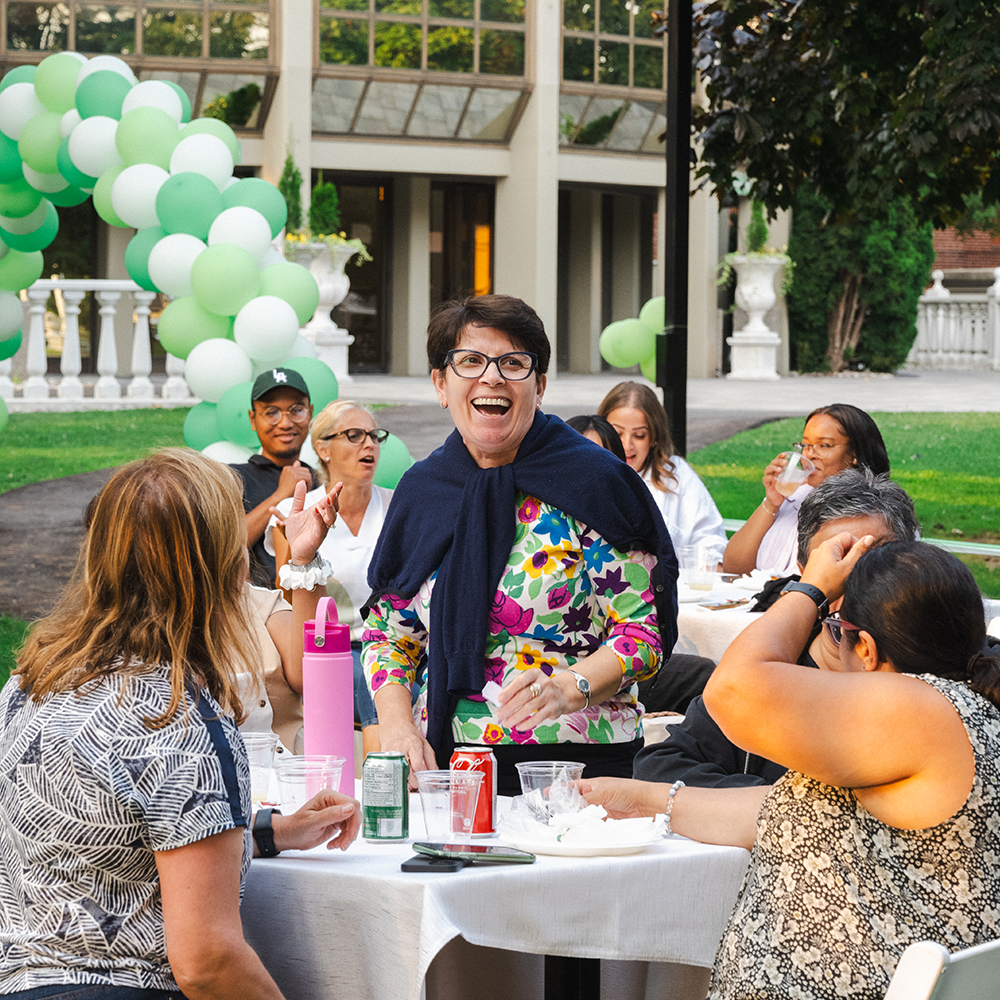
point(96, 991)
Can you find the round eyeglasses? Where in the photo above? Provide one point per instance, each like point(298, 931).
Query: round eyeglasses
point(835, 627)
point(357, 434)
point(822, 449)
point(513, 367)
point(274, 414)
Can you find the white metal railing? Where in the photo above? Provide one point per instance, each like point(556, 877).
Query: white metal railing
point(40, 391)
point(958, 331)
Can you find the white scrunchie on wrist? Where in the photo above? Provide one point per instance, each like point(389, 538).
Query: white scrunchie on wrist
point(308, 577)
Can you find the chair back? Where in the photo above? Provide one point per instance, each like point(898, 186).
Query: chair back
point(928, 971)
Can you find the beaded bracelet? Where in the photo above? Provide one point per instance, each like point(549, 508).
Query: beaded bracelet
point(307, 577)
point(763, 504)
point(670, 804)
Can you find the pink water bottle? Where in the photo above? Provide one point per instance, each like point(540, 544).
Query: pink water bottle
point(328, 689)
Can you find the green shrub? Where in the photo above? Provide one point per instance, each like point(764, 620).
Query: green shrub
point(236, 107)
point(324, 209)
point(290, 186)
point(757, 231)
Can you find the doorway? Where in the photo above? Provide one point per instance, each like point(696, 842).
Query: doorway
point(461, 240)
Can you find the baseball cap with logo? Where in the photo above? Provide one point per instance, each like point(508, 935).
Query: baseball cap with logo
point(278, 378)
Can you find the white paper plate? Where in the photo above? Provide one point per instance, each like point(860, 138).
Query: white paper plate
point(585, 850)
point(687, 596)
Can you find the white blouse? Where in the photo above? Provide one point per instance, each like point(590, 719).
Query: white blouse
point(779, 548)
point(688, 509)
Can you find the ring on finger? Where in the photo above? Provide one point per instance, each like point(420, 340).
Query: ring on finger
point(536, 689)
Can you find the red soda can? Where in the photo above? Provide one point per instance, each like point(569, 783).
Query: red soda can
point(477, 758)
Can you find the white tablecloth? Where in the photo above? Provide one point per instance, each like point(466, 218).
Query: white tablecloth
point(331, 924)
point(701, 632)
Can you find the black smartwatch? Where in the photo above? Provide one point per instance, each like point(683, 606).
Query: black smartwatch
point(263, 833)
point(817, 595)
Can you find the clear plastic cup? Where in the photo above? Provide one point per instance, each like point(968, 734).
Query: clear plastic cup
point(300, 778)
point(260, 751)
point(698, 564)
point(794, 474)
point(448, 800)
point(542, 773)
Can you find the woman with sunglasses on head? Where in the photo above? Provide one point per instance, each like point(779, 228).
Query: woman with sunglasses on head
point(517, 554)
point(347, 444)
point(883, 831)
point(836, 437)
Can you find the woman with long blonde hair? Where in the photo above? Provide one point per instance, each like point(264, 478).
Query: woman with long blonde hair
point(124, 783)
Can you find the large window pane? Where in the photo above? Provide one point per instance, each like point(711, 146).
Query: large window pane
point(578, 59)
point(501, 52)
point(344, 4)
point(648, 68)
point(344, 42)
point(511, 11)
point(614, 17)
point(171, 33)
point(450, 49)
point(37, 27)
point(399, 6)
point(644, 10)
point(450, 8)
point(578, 15)
point(612, 63)
point(397, 45)
point(104, 29)
point(235, 35)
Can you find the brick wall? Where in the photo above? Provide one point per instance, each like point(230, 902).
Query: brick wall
point(976, 250)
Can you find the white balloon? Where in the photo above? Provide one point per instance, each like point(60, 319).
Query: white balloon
point(272, 257)
point(202, 153)
point(215, 365)
point(133, 194)
point(227, 452)
point(69, 121)
point(11, 315)
point(46, 183)
point(302, 348)
point(154, 94)
point(18, 105)
point(246, 227)
point(27, 223)
point(170, 263)
point(92, 145)
point(113, 63)
point(266, 328)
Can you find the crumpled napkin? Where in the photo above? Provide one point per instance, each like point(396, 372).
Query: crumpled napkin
point(754, 581)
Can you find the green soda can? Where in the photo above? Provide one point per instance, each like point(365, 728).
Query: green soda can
point(385, 798)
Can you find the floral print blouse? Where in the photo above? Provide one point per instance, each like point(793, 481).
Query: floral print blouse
point(565, 593)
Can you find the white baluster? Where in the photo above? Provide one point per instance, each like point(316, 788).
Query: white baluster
point(142, 362)
point(993, 320)
point(35, 386)
point(6, 385)
point(175, 387)
point(70, 386)
point(937, 290)
point(108, 386)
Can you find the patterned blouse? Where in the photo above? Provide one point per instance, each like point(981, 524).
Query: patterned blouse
point(565, 593)
point(833, 896)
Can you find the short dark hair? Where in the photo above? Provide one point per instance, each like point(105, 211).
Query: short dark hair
point(505, 313)
point(856, 493)
point(863, 435)
point(923, 609)
point(608, 435)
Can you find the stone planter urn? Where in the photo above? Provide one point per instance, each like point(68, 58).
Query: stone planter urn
point(754, 349)
point(326, 264)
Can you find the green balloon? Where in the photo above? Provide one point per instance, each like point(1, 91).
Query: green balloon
point(188, 203)
point(102, 93)
point(21, 74)
point(10, 346)
point(55, 81)
point(37, 239)
point(39, 142)
point(319, 378)
point(10, 160)
point(184, 323)
point(200, 426)
point(147, 135)
point(293, 283)
point(626, 343)
point(19, 270)
point(648, 367)
point(18, 199)
point(652, 314)
point(137, 256)
point(225, 278)
point(212, 126)
point(394, 459)
point(232, 414)
point(68, 197)
point(102, 197)
point(3, 414)
point(252, 192)
point(185, 100)
point(69, 170)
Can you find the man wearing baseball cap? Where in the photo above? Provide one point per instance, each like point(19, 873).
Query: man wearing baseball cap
point(280, 413)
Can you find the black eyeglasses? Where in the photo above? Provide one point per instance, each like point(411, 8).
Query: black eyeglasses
point(513, 367)
point(835, 627)
point(357, 434)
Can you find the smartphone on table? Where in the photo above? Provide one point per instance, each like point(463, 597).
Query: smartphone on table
point(453, 857)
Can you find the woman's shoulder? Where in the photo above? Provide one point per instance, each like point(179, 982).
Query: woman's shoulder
point(264, 601)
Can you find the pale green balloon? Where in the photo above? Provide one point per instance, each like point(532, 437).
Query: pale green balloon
point(184, 324)
point(102, 197)
point(55, 81)
point(39, 142)
point(146, 135)
point(18, 270)
point(225, 278)
point(652, 314)
point(212, 126)
point(293, 283)
point(648, 367)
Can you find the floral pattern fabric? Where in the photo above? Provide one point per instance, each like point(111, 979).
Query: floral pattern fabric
point(833, 896)
point(565, 593)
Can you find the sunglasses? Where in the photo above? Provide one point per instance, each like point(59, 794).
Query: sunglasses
point(357, 434)
point(835, 627)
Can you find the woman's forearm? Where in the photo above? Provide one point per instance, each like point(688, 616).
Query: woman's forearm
point(741, 552)
point(725, 816)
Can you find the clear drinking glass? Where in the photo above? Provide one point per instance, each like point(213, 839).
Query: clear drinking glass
point(793, 475)
point(260, 751)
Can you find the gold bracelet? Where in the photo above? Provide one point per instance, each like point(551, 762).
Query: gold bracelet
point(763, 504)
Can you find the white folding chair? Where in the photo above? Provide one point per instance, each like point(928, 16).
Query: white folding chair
point(928, 971)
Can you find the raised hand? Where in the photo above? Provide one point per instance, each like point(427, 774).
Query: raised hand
point(305, 528)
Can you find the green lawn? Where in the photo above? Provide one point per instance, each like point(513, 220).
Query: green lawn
point(12, 632)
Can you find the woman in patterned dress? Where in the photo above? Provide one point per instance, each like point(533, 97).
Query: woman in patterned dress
point(885, 829)
point(519, 553)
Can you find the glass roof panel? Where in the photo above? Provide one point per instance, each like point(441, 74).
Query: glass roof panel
point(489, 116)
point(631, 128)
point(386, 108)
point(571, 107)
point(334, 103)
point(223, 84)
point(438, 111)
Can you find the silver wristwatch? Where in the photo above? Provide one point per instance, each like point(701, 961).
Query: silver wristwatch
point(583, 686)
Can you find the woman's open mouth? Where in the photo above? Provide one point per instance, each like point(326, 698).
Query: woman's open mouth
point(491, 405)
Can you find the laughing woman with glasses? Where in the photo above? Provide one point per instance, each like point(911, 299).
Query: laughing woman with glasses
point(836, 437)
point(526, 565)
point(347, 444)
